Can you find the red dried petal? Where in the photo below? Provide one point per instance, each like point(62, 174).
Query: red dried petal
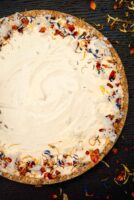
point(98, 66)
point(112, 75)
point(87, 152)
point(42, 169)
point(110, 85)
point(94, 154)
point(20, 30)
point(74, 163)
point(8, 159)
point(70, 27)
point(75, 33)
point(69, 163)
point(102, 129)
point(45, 174)
point(57, 172)
point(48, 175)
point(57, 32)
point(132, 194)
point(30, 164)
point(14, 27)
point(118, 100)
point(25, 21)
point(5, 165)
point(117, 121)
point(53, 196)
point(120, 177)
point(115, 151)
point(110, 116)
point(22, 171)
point(113, 93)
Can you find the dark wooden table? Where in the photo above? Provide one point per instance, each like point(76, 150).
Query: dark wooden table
point(97, 183)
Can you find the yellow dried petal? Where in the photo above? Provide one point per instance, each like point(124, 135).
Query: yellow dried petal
point(36, 161)
point(31, 25)
point(84, 55)
point(82, 43)
point(102, 89)
point(107, 92)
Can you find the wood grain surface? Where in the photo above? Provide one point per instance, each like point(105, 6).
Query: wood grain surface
point(97, 183)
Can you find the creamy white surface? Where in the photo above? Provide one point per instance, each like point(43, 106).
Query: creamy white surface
point(46, 96)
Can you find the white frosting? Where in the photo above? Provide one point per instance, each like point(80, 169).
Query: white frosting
point(44, 95)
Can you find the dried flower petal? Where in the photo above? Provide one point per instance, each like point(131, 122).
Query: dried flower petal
point(58, 32)
point(94, 154)
point(112, 75)
point(115, 6)
point(123, 177)
point(87, 152)
point(42, 30)
point(115, 151)
point(70, 27)
point(92, 5)
point(132, 194)
point(53, 196)
point(132, 50)
point(25, 21)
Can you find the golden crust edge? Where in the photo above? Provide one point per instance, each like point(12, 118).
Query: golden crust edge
point(120, 68)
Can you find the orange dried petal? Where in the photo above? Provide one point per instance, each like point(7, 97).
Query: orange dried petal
point(42, 29)
point(115, 6)
point(14, 27)
point(92, 5)
point(132, 50)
